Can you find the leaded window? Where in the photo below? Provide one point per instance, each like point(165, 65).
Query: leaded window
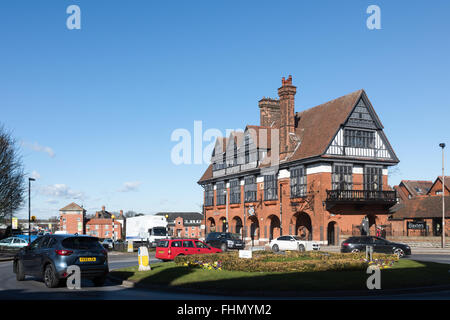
point(298, 182)
point(250, 188)
point(359, 138)
point(235, 191)
point(342, 177)
point(270, 187)
point(373, 178)
point(221, 196)
point(209, 195)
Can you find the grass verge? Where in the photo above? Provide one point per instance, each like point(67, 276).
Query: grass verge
point(404, 274)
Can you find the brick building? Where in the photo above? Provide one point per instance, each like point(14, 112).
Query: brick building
point(103, 228)
point(72, 219)
point(419, 213)
point(319, 173)
point(184, 224)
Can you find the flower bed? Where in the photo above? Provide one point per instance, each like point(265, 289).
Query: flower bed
point(290, 261)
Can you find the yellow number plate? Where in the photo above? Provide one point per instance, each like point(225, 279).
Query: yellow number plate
point(88, 259)
point(161, 251)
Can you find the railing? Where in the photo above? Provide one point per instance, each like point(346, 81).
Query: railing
point(361, 195)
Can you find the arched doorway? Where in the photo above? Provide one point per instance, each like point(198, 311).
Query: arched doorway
point(236, 225)
point(301, 225)
point(254, 228)
point(224, 225)
point(211, 225)
point(273, 224)
point(331, 233)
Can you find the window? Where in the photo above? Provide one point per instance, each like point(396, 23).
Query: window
point(298, 182)
point(176, 244)
point(359, 138)
point(188, 244)
point(250, 189)
point(221, 193)
point(373, 178)
point(270, 187)
point(235, 191)
point(247, 149)
point(342, 177)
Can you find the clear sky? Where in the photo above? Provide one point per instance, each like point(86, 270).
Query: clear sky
point(94, 109)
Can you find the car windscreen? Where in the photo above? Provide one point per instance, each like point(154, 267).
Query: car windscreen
point(83, 243)
point(159, 231)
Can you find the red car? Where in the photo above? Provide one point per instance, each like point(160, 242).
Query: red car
point(170, 248)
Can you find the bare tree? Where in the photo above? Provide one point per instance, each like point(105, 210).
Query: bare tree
point(12, 177)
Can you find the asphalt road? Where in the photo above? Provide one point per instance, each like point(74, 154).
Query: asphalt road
point(34, 289)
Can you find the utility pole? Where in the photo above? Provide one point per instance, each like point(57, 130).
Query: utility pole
point(29, 209)
point(442, 145)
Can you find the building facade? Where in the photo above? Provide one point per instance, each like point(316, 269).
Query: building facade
point(319, 173)
point(72, 219)
point(104, 228)
point(184, 224)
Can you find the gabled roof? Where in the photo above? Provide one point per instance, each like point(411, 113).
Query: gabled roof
point(72, 207)
point(417, 187)
point(446, 182)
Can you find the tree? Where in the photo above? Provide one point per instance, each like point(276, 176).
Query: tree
point(12, 177)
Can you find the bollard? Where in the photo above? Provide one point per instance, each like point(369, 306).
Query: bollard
point(143, 259)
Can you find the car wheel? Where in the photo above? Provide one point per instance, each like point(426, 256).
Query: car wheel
point(223, 247)
point(355, 251)
point(99, 281)
point(301, 248)
point(275, 248)
point(20, 275)
point(50, 279)
point(399, 252)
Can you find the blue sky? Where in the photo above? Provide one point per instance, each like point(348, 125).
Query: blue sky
point(95, 108)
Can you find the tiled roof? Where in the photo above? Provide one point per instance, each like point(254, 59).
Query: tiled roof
point(72, 207)
point(417, 187)
point(315, 127)
point(421, 207)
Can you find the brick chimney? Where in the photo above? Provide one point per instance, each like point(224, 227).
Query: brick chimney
point(269, 112)
point(287, 115)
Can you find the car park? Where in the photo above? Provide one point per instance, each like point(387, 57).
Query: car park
point(380, 245)
point(225, 240)
point(290, 242)
point(49, 256)
point(169, 249)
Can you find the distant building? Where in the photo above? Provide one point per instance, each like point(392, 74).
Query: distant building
point(408, 189)
point(103, 228)
point(72, 219)
point(184, 224)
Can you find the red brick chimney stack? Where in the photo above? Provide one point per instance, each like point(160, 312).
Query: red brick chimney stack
point(287, 115)
point(269, 112)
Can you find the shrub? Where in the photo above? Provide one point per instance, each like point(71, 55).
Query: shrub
point(289, 261)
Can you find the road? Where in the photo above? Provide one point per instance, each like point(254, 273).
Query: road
point(33, 288)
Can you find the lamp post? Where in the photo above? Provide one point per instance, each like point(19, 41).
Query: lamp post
point(29, 208)
point(442, 145)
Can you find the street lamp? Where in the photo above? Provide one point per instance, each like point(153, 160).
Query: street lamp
point(29, 208)
point(442, 145)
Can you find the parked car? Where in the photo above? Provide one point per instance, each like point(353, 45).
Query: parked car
point(225, 240)
point(12, 244)
point(49, 257)
point(292, 243)
point(380, 245)
point(108, 243)
point(171, 248)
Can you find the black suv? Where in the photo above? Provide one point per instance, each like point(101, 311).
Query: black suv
point(49, 256)
point(380, 245)
point(225, 240)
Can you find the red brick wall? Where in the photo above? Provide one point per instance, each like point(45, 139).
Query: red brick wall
point(342, 219)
